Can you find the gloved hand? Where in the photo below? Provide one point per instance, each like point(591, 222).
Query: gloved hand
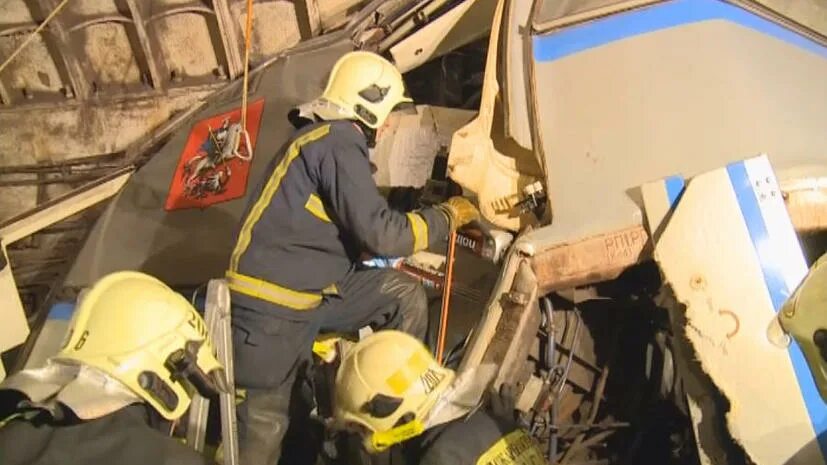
point(502, 404)
point(461, 211)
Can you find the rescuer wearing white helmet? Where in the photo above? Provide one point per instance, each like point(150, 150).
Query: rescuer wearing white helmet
point(295, 267)
point(389, 389)
point(135, 353)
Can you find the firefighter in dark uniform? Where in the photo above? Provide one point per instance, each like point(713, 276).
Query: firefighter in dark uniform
point(293, 271)
point(390, 390)
point(134, 355)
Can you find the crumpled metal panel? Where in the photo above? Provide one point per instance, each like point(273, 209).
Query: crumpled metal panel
point(730, 255)
point(693, 92)
point(186, 247)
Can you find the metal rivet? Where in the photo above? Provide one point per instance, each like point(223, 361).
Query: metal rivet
point(697, 283)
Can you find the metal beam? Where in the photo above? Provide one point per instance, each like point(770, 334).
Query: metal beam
point(5, 97)
point(57, 31)
point(149, 52)
point(63, 206)
point(15, 327)
point(230, 37)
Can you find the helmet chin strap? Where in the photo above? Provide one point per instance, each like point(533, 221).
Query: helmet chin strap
point(368, 132)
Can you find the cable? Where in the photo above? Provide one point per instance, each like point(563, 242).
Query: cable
point(33, 34)
point(245, 135)
point(575, 341)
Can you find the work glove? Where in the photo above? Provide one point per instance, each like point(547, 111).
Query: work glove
point(502, 404)
point(460, 211)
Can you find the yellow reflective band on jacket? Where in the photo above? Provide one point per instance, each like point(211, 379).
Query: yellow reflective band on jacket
point(419, 228)
point(516, 448)
point(274, 293)
point(270, 189)
point(316, 208)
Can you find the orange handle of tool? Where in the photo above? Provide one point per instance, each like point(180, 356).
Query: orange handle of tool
point(446, 296)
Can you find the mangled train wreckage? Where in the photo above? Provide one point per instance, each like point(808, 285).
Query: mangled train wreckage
point(605, 154)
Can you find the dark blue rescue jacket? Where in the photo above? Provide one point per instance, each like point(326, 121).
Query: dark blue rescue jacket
point(311, 217)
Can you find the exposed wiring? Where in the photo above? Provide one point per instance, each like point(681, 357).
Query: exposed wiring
point(552, 448)
point(574, 343)
point(548, 311)
point(580, 442)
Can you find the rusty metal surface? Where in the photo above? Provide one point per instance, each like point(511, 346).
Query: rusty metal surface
point(517, 329)
point(594, 259)
point(603, 257)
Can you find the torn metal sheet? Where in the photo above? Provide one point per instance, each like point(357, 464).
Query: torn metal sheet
point(14, 328)
point(731, 256)
point(465, 23)
point(484, 159)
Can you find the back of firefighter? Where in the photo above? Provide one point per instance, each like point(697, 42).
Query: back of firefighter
point(134, 355)
point(391, 391)
point(293, 271)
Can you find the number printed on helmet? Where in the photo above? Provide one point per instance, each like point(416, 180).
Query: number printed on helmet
point(82, 341)
point(197, 324)
point(430, 380)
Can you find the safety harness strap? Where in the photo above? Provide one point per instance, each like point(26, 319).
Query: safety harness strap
point(273, 293)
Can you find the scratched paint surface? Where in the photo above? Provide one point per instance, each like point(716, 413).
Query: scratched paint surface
point(705, 244)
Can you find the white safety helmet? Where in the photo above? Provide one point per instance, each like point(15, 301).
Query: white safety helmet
point(140, 332)
point(362, 86)
point(386, 386)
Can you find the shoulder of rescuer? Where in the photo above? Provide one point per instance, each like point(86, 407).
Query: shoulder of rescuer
point(391, 391)
point(334, 158)
point(481, 438)
point(135, 350)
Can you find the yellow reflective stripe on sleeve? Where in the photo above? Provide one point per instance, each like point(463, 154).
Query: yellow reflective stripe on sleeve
point(516, 448)
point(316, 208)
point(419, 228)
point(272, 293)
point(270, 189)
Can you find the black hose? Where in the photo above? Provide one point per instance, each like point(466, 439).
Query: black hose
point(545, 304)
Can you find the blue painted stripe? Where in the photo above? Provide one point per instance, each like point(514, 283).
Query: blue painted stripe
point(62, 311)
point(778, 289)
point(575, 39)
point(674, 189)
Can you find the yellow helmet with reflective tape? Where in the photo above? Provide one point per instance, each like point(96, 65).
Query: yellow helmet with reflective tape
point(386, 386)
point(134, 328)
point(362, 86)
